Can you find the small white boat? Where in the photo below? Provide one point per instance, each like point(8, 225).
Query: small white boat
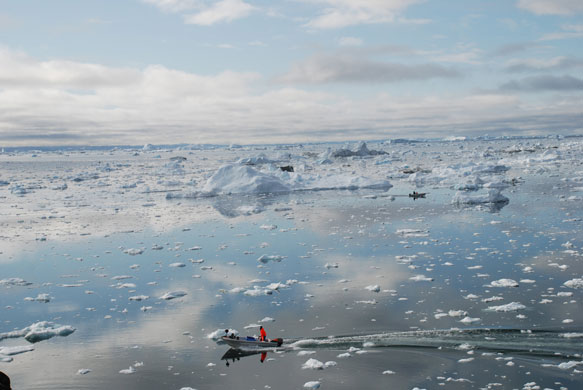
point(251, 343)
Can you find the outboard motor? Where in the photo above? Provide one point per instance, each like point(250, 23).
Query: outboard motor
point(278, 341)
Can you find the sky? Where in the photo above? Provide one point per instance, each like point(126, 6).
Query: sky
point(131, 72)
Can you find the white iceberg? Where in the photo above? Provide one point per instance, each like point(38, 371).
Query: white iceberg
point(493, 196)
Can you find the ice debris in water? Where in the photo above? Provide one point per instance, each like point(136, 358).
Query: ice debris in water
point(83, 371)
point(39, 331)
point(312, 385)
point(129, 370)
point(173, 294)
point(45, 298)
point(314, 364)
point(6, 353)
point(574, 283)
point(14, 282)
point(513, 306)
point(373, 288)
point(267, 258)
point(504, 283)
point(493, 196)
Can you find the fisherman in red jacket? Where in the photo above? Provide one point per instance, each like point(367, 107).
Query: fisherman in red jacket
point(263, 334)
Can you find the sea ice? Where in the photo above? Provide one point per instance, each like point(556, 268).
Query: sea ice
point(493, 196)
point(313, 364)
point(574, 283)
point(512, 306)
point(504, 283)
point(312, 385)
point(267, 258)
point(14, 282)
point(173, 294)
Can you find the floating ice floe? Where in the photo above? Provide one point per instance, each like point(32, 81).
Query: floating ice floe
point(6, 353)
point(173, 294)
point(45, 298)
point(83, 371)
point(14, 282)
point(267, 258)
point(504, 283)
point(361, 151)
point(574, 283)
point(512, 306)
point(373, 288)
point(469, 320)
point(134, 251)
point(312, 385)
point(314, 364)
point(412, 232)
point(421, 278)
point(138, 298)
point(493, 196)
point(243, 179)
point(39, 331)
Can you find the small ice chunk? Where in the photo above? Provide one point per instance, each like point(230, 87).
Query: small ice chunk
point(138, 298)
point(173, 294)
point(129, 370)
point(373, 288)
point(573, 283)
point(469, 320)
point(421, 278)
point(177, 265)
point(16, 350)
point(267, 258)
point(512, 306)
point(83, 371)
point(504, 283)
point(14, 282)
point(313, 364)
point(134, 251)
point(312, 385)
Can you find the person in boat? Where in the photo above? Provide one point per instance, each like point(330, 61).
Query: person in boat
point(4, 381)
point(263, 336)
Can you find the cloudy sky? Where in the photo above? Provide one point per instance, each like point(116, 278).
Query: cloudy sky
point(91, 72)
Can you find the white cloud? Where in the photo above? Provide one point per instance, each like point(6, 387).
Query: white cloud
point(535, 64)
point(175, 5)
point(343, 68)
point(569, 32)
point(40, 103)
point(221, 11)
point(343, 13)
point(350, 41)
point(552, 7)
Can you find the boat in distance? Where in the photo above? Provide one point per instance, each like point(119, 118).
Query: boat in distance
point(251, 343)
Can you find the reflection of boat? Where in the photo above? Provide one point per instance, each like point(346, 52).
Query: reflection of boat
point(237, 354)
point(251, 343)
point(417, 195)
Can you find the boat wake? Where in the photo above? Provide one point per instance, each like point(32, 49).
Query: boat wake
point(527, 342)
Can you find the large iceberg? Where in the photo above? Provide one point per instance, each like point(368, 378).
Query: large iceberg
point(242, 179)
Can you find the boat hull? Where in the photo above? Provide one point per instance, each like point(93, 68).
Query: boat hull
point(246, 344)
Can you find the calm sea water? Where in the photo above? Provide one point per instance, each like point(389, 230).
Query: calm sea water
point(377, 284)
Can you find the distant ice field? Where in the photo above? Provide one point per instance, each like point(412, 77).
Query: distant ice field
point(121, 268)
